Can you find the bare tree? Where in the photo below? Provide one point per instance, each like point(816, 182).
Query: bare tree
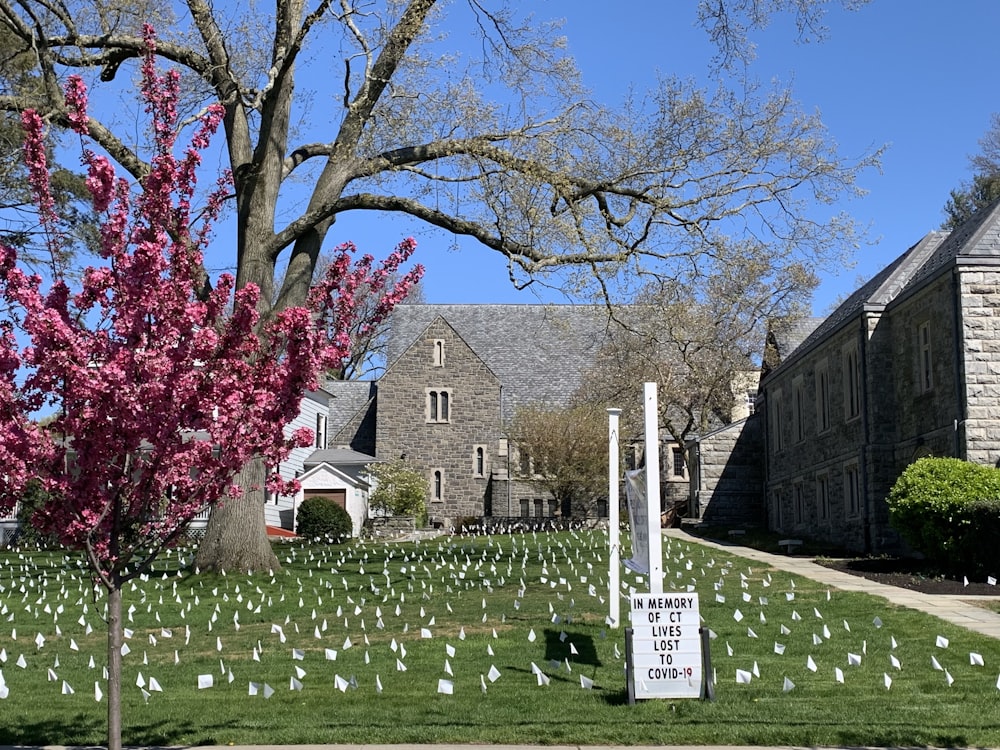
point(568, 450)
point(700, 342)
point(506, 146)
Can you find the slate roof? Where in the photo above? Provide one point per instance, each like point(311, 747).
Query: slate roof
point(538, 352)
point(977, 240)
point(349, 396)
point(352, 463)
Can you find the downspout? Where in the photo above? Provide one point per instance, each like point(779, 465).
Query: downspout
point(866, 445)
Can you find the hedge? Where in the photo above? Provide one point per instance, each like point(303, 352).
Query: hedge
point(949, 511)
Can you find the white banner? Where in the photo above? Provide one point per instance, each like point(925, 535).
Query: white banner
point(638, 508)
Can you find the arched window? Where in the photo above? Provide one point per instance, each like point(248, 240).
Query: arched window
point(438, 482)
point(480, 461)
point(438, 406)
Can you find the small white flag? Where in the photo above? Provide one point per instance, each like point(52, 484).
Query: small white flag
point(743, 677)
point(941, 642)
point(838, 674)
point(446, 687)
point(976, 660)
point(789, 685)
point(494, 673)
point(205, 681)
point(810, 664)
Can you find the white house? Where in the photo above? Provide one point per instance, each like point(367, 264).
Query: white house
point(338, 474)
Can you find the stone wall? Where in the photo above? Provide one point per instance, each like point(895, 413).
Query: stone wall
point(440, 361)
point(980, 295)
point(729, 465)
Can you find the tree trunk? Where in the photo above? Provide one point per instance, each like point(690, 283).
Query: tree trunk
point(115, 667)
point(236, 536)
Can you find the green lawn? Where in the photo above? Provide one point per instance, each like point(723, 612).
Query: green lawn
point(502, 602)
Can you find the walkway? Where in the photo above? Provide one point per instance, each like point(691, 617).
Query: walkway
point(959, 610)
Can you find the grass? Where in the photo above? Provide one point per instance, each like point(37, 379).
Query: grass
point(480, 598)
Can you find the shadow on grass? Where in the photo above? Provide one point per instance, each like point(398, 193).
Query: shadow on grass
point(560, 645)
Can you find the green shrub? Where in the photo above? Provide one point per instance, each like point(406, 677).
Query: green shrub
point(949, 510)
point(399, 489)
point(322, 518)
point(32, 501)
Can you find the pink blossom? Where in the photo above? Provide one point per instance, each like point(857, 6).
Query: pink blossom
point(164, 396)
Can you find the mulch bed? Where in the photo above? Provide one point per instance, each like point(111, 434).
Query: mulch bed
point(912, 574)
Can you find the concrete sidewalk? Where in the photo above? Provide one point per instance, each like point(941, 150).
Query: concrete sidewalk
point(959, 610)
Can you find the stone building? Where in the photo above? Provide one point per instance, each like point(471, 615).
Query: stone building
point(455, 376)
point(908, 365)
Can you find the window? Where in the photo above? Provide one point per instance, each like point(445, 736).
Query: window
point(525, 508)
point(479, 461)
point(797, 509)
point(539, 504)
point(602, 508)
point(776, 515)
point(823, 497)
point(553, 507)
point(678, 456)
point(524, 462)
point(319, 441)
point(438, 406)
point(777, 428)
point(822, 396)
point(798, 404)
point(852, 383)
point(437, 347)
point(852, 490)
point(925, 362)
point(437, 485)
point(750, 401)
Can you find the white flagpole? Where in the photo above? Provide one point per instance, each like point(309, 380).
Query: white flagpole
point(652, 453)
point(614, 524)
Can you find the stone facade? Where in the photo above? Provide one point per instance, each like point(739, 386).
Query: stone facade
point(440, 410)
point(486, 361)
point(908, 366)
point(728, 465)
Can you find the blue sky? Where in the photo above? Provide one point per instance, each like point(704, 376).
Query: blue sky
point(915, 75)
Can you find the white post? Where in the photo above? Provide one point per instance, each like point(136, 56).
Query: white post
point(652, 452)
point(614, 525)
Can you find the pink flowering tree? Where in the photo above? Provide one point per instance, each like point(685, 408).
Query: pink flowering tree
point(164, 386)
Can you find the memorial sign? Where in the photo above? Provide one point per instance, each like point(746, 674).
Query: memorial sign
point(666, 655)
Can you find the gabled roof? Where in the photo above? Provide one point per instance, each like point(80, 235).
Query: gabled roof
point(349, 396)
point(345, 461)
point(345, 473)
point(538, 352)
point(975, 241)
